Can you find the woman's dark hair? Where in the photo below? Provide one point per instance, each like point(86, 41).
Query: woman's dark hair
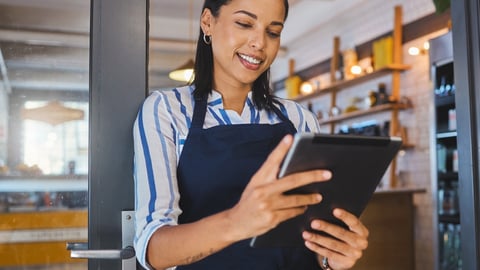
point(203, 81)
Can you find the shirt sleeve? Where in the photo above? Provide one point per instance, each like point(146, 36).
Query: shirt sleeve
point(156, 190)
point(310, 122)
point(303, 119)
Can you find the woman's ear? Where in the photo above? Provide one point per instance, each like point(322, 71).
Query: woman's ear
point(206, 21)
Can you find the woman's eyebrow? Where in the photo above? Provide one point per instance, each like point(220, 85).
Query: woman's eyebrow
point(247, 13)
point(255, 17)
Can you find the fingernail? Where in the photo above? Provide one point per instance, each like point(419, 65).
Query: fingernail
point(319, 197)
point(315, 224)
point(327, 174)
point(306, 235)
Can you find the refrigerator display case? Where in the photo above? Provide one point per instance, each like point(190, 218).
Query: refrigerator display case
point(445, 155)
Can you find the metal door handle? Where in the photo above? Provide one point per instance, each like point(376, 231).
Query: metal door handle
point(126, 254)
point(81, 251)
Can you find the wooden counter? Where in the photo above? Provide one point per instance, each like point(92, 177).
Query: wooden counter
point(39, 238)
point(390, 219)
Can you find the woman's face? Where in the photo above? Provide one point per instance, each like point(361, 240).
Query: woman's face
point(245, 39)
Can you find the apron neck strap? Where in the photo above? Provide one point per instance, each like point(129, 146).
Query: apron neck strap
point(279, 113)
point(199, 111)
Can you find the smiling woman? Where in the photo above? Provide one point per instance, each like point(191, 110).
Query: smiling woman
point(206, 157)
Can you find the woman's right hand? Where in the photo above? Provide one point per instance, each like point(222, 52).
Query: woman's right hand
point(263, 204)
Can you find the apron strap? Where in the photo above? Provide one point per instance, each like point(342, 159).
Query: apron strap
point(199, 111)
point(281, 115)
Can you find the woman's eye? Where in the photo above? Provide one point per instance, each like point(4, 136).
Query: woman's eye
point(245, 25)
point(273, 34)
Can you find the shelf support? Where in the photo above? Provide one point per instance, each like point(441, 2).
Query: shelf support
point(395, 96)
point(334, 65)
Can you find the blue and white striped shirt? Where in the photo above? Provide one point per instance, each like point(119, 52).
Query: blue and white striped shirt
point(160, 131)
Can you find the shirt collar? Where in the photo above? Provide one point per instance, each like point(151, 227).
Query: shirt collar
point(215, 100)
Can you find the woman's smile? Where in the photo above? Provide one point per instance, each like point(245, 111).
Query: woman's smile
point(250, 62)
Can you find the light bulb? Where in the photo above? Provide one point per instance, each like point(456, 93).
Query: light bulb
point(414, 51)
point(306, 88)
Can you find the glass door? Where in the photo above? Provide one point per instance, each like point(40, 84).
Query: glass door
point(44, 120)
point(72, 77)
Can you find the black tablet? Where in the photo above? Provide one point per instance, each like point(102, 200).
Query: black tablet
point(357, 163)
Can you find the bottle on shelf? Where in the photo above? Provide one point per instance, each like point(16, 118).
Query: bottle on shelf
point(455, 160)
point(452, 119)
point(382, 94)
point(450, 256)
point(448, 199)
point(371, 99)
point(441, 89)
point(441, 158)
point(455, 207)
point(350, 59)
point(441, 197)
point(352, 106)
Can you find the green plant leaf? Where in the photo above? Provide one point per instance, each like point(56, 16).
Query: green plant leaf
point(441, 5)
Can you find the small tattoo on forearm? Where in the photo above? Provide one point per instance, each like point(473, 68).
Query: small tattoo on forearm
point(199, 256)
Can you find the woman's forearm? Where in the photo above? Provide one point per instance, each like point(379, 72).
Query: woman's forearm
point(188, 243)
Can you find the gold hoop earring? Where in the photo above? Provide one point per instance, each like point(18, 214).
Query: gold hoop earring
point(207, 39)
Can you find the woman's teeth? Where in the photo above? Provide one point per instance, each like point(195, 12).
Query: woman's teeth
point(250, 59)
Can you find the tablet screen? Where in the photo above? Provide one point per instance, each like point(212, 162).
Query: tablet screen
point(357, 163)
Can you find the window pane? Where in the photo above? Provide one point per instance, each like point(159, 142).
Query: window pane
point(44, 67)
point(173, 46)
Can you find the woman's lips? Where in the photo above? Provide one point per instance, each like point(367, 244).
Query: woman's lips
point(249, 61)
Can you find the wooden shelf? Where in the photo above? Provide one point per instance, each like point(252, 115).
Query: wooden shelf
point(348, 83)
point(448, 175)
point(376, 109)
point(453, 219)
point(445, 100)
point(407, 146)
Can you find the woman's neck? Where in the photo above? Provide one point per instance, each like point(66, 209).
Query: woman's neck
point(235, 103)
point(234, 97)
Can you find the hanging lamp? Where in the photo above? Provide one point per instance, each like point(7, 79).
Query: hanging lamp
point(184, 73)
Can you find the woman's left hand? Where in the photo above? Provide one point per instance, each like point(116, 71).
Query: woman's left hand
point(343, 252)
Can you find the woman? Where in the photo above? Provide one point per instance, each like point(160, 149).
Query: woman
point(207, 157)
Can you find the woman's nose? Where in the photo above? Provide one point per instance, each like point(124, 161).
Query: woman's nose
point(257, 41)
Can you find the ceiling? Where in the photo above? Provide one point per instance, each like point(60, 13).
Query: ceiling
point(44, 43)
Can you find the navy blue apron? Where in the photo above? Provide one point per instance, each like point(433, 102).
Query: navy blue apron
point(214, 168)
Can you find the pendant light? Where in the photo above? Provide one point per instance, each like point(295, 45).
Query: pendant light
point(184, 73)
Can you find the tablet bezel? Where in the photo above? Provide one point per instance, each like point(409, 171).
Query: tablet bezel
point(332, 152)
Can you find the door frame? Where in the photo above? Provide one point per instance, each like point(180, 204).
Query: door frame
point(466, 44)
point(118, 85)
